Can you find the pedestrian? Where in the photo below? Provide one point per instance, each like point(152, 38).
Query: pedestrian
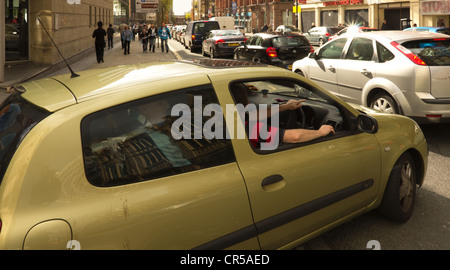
point(143, 38)
point(110, 33)
point(152, 33)
point(100, 44)
point(121, 29)
point(384, 25)
point(164, 34)
point(127, 36)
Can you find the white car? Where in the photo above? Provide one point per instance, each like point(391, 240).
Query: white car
point(391, 71)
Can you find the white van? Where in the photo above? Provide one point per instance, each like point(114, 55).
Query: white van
point(224, 22)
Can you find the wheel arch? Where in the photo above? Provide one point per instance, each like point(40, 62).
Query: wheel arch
point(370, 92)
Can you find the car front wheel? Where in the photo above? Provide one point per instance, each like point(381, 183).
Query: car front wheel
point(400, 193)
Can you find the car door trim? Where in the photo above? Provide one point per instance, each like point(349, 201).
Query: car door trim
point(285, 217)
point(324, 81)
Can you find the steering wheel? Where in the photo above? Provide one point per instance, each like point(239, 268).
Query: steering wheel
point(294, 116)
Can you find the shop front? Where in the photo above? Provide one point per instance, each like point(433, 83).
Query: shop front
point(16, 30)
point(435, 13)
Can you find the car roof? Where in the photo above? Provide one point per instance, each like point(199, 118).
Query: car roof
point(402, 36)
point(61, 91)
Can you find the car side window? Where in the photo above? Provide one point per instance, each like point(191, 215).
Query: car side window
point(258, 41)
point(138, 141)
point(384, 54)
point(266, 133)
point(360, 49)
point(333, 50)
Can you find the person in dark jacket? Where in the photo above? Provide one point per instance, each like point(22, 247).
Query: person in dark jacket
point(110, 33)
point(100, 44)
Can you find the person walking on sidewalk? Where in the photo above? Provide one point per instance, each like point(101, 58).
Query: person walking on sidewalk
point(164, 35)
point(100, 44)
point(143, 38)
point(152, 33)
point(127, 36)
point(110, 33)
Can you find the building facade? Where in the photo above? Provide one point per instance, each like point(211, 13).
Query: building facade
point(254, 14)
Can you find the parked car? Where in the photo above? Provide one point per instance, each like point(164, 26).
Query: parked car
point(222, 42)
point(441, 30)
point(196, 32)
point(120, 164)
point(398, 72)
point(274, 49)
point(351, 30)
point(320, 34)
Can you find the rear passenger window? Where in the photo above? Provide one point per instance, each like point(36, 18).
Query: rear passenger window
point(133, 142)
point(360, 49)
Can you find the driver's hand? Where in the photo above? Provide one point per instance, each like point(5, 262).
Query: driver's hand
point(325, 130)
point(293, 104)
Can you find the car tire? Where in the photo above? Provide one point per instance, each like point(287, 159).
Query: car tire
point(211, 53)
point(400, 193)
point(384, 103)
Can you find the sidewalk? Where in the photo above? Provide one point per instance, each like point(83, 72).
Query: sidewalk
point(21, 72)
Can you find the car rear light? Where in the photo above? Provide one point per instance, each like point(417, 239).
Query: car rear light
point(193, 37)
point(311, 49)
point(414, 58)
point(433, 116)
point(220, 41)
point(245, 39)
point(327, 34)
point(272, 52)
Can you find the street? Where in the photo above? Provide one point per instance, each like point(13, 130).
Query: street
point(429, 227)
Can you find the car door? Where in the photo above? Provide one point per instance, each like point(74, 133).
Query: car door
point(356, 70)
point(154, 190)
point(323, 68)
point(297, 189)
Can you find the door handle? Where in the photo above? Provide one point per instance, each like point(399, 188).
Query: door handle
point(365, 72)
point(332, 69)
point(269, 180)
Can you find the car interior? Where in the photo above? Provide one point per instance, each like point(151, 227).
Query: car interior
point(315, 111)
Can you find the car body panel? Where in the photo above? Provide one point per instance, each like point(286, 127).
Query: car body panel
point(218, 207)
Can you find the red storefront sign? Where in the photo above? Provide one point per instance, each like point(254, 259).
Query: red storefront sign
point(435, 7)
point(343, 2)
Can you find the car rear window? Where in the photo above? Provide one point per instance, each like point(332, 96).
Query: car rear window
point(205, 27)
point(434, 52)
point(284, 41)
point(17, 118)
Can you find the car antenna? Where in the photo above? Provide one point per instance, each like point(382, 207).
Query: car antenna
point(71, 71)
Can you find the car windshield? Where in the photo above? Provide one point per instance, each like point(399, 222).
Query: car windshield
point(434, 52)
point(283, 41)
point(282, 88)
point(203, 27)
point(17, 118)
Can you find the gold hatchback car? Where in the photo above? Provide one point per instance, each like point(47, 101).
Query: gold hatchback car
point(211, 154)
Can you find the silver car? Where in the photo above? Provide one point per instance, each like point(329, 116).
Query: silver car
point(391, 71)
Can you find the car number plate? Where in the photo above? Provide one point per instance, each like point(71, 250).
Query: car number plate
point(233, 44)
point(289, 67)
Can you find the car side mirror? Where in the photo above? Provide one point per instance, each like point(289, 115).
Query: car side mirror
point(314, 55)
point(367, 123)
